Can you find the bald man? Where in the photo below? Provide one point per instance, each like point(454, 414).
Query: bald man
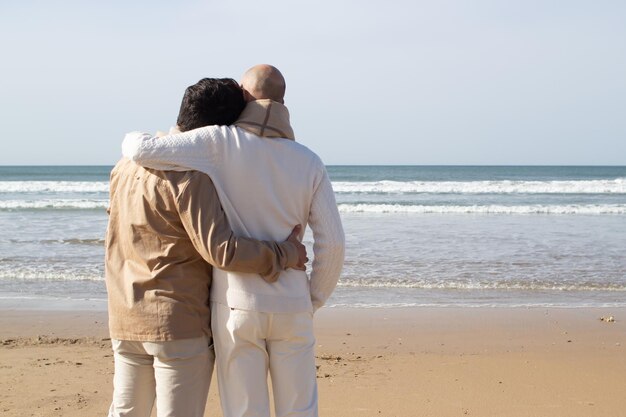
point(263, 82)
point(266, 182)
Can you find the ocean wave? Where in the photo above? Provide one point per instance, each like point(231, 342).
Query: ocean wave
point(588, 209)
point(53, 204)
point(40, 274)
point(96, 273)
point(615, 186)
point(482, 304)
point(484, 209)
point(71, 241)
point(54, 186)
point(456, 285)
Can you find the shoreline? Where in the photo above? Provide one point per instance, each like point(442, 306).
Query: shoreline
point(90, 322)
point(67, 305)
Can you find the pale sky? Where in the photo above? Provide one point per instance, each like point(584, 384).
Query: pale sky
point(368, 82)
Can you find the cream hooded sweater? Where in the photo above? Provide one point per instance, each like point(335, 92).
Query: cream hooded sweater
point(267, 183)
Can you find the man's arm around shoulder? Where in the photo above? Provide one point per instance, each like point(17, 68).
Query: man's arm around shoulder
point(195, 149)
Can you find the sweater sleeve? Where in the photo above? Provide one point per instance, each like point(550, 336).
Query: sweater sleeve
point(191, 150)
point(328, 243)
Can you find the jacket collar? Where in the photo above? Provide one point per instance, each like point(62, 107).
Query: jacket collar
point(266, 118)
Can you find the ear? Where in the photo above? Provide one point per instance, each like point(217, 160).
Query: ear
point(247, 97)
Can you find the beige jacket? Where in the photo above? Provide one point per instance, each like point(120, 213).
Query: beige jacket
point(165, 228)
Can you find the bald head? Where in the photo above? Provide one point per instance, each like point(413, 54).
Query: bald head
point(263, 82)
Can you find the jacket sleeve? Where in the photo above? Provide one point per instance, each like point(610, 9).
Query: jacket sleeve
point(191, 150)
point(207, 226)
point(328, 243)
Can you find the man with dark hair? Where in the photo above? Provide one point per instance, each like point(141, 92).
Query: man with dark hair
point(211, 101)
point(165, 231)
point(266, 181)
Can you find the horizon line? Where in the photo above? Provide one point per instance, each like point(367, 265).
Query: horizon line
point(358, 165)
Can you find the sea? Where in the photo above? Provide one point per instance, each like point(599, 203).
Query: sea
point(435, 236)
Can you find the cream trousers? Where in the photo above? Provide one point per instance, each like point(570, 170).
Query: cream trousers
point(176, 373)
point(248, 344)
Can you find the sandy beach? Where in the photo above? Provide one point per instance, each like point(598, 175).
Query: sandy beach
point(372, 362)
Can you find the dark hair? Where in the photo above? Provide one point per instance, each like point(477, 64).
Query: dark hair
point(210, 101)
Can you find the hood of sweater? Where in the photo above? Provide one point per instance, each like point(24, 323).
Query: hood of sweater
point(266, 118)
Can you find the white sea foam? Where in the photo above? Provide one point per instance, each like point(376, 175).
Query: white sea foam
point(485, 209)
point(456, 285)
point(483, 304)
point(41, 274)
point(591, 209)
point(36, 273)
point(54, 186)
point(53, 204)
point(70, 241)
point(616, 186)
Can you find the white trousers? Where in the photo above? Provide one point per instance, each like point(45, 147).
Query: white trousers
point(176, 373)
point(248, 344)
